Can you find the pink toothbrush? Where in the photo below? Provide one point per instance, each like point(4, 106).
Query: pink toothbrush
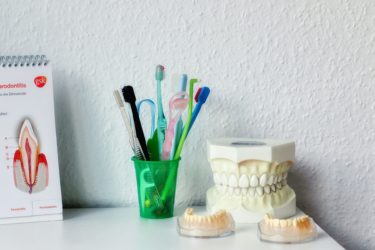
point(177, 105)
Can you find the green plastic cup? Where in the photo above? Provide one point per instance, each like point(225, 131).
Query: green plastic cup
point(156, 185)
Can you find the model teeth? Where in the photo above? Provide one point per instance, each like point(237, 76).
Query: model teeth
point(289, 223)
point(267, 189)
point(279, 178)
point(275, 180)
point(217, 179)
point(249, 185)
point(224, 179)
point(253, 181)
point(233, 181)
point(251, 178)
point(270, 180)
point(244, 181)
point(263, 180)
point(251, 192)
point(294, 223)
point(301, 223)
point(218, 220)
point(275, 222)
point(283, 223)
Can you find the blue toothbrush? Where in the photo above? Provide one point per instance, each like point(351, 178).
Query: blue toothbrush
point(162, 122)
point(200, 98)
point(180, 124)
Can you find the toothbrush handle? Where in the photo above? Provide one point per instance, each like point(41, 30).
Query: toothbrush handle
point(196, 111)
point(160, 103)
point(167, 146)
point(176, 138)
point(161, 119)
point(139, 130)
point(125, 117)
point(190, 111)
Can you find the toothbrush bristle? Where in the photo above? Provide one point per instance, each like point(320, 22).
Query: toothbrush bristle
point(128, 94)
point(117, 96)
point(159, 74)
point(196, 98)
point(205, 92)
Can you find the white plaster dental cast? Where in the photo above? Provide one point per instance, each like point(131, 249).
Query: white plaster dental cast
point(219, 224)
point(250, 178)
point(30, 167)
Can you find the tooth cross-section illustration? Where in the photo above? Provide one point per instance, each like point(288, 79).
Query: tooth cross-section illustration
point(30, 167)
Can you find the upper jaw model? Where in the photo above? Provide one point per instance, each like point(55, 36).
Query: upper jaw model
point(251, 178)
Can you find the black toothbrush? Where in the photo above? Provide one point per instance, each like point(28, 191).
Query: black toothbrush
point(129, 97)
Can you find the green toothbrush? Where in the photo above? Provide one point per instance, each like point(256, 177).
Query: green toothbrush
point(188, 121)
point(162, 122)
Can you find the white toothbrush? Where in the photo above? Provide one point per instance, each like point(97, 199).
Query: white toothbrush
point(125, 117)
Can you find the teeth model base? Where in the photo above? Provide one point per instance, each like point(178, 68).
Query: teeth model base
point(219, 224)
point(30, 167)
point(250, 189)
point(294, 230)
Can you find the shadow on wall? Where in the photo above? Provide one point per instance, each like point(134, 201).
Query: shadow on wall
point(305, 181)
point(80, 128)
point(67, 140)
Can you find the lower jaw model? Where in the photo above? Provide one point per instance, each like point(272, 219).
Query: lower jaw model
point(251, 189)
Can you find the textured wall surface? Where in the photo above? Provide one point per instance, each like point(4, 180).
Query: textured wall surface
point(301, 70)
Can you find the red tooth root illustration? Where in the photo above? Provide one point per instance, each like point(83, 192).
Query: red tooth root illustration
point(30, 168)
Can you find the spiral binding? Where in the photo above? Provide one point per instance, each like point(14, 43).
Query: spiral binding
point(23, 61)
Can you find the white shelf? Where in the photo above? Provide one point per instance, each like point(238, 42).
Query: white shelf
point(122, 228)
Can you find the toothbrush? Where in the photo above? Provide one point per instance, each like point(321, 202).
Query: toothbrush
point(180, 124)
point(126, 119)
point(133, 140)
point(162, 123)
point(129, 97)
point(177, 105)
point(188, 121)
point(200, 98)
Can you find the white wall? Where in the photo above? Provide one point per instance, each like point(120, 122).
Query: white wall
point(300, 70)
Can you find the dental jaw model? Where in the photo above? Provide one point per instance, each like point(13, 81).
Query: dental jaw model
point(219, 224)
point(295, 230)
point(250, 178)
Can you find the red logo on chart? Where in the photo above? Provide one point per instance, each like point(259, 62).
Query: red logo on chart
point(40, 81)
